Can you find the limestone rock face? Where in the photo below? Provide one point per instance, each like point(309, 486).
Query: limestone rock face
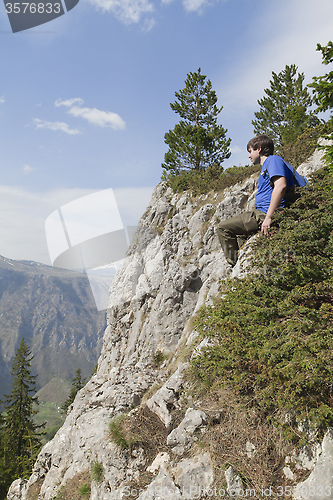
point(173, 266)
point(315, 162)
point(319, 484)
point(161, 401)
point(181, 437)
point(17, 489)
point(235, 484)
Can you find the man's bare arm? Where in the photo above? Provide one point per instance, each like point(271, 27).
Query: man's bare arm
point(280, 186)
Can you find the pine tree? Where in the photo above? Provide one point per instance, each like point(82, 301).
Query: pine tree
point(77, 384)
point(285, 110)
point(20, 437)
point(323, 96)
point(323, 85)
point(197, 141)
point(4, 473)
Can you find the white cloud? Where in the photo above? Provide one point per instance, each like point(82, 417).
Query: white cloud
point(27, 169)
point(69, 102)
point(131, 11)
point(55, 126)
point(194, 5)
point(2, 99)
point(148, 25)
point(92, 115)
point(127, 11)
point(97, 117)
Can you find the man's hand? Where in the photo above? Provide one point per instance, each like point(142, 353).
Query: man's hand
point(266, 225)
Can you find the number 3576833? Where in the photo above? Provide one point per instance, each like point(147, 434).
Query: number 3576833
point(32, 8)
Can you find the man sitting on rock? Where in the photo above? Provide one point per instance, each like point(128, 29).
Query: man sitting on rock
point(275, 177)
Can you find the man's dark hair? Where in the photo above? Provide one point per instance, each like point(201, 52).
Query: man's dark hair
point(264, 142)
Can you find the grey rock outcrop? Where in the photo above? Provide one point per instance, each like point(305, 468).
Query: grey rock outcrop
point(17, 489)
point(234, 482)
point(174, 266)
point(190, 478)
point(319, 484)
point(194, 476)
point(181, 438)
point(162, 487)
point(315, 162)
point(161, 401)
point(160, 461)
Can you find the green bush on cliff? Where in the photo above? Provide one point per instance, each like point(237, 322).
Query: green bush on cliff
point(273, 330)
point(304, 146)
point(211, 179)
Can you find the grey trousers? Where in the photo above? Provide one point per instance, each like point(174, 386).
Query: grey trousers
point(233, 232)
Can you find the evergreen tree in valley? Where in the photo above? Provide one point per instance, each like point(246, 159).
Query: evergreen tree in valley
point(77, 384)
point(285, 110)
point(20, 437)
point(197, 141)
point(4, 473)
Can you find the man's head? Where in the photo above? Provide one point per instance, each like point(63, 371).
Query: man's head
point(262, 142)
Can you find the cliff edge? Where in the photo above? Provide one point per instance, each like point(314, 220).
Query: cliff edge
point(174, 266)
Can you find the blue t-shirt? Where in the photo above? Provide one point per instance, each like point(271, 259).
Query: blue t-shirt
point(274, 165)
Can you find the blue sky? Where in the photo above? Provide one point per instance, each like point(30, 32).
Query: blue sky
point(84, 99)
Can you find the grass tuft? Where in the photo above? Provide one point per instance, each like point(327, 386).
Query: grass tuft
point(97, 471)
point(84, 490)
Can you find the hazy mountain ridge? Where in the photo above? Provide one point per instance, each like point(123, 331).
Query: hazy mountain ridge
point(54, 310)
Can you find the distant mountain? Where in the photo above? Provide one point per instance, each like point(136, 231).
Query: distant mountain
point(54, 310)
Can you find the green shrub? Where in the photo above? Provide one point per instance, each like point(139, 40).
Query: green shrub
point(213, 178)
point(274, 330)
point(158, 358)
point(84, 490)
point(120, 435)
point(304, 146)
point(116, 431)
point(97, 471)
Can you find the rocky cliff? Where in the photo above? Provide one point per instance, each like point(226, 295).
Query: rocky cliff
point(174, 266)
